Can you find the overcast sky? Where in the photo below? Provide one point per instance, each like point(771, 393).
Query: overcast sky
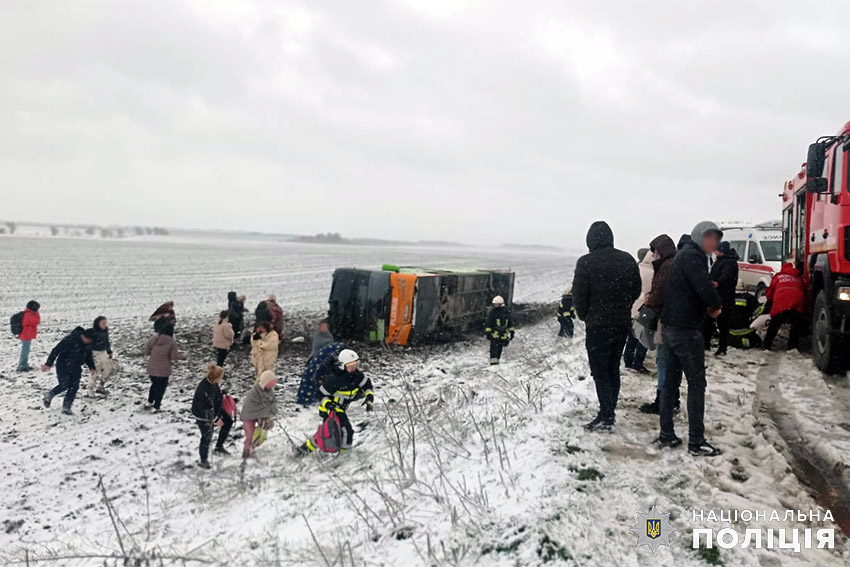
point(477, 121)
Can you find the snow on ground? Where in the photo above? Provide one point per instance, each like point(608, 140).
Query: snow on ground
point(461, 463)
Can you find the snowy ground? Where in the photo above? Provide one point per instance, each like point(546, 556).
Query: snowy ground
point(461, 464)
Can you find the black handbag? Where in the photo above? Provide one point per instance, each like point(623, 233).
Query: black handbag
point(648, 317)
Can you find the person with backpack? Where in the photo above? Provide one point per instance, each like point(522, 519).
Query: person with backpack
point(724, 272)
point(605, 285)
point(106, 366)
point(499, 330)
point(207, 408)
point(25, 326)
point(69, 355)
point(264, 348)
point(566, 314)
point(223, 334)
point(690, 294)
point(345, 384)
point(161, 351)
point(787, 297)
point(259, 410)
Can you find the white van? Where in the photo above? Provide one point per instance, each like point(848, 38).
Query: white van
point(759, 248)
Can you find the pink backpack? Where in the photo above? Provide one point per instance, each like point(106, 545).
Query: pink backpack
point(228, 406)
point(328, 438)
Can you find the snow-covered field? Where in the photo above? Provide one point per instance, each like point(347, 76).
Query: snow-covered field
point(461, 463)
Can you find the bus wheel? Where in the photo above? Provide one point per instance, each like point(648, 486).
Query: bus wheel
point(827, 353)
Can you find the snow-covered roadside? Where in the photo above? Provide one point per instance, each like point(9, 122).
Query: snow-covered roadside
point(462, 464)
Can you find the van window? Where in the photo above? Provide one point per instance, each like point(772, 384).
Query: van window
point(753, 255)
point(772, 250)
point(739, 246)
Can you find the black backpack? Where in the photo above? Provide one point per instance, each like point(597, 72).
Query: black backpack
point(16, 322)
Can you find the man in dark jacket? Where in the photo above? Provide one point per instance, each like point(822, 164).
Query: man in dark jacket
point(499, 330)
point(689, 296)
point(664, 249)
point(566, 314)
point(724, 272)
point(69, 355)
point(605, 285)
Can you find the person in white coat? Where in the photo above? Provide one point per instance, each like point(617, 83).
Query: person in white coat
point(635, 353)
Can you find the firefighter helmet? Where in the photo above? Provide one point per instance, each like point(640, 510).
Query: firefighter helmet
point(347, 357)
point(498, 300)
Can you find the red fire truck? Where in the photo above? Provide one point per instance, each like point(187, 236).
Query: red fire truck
point(816, 238)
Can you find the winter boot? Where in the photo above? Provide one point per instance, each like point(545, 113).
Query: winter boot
point(652, 408)
point(703, 450)
point(721, 351)
point(204, 465)
point(600, 424)
point(221, 451)
point(47, 399)
point(668, 442)
point(67, 411)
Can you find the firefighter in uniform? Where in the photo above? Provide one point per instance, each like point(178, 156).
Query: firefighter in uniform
point(566, 313)
point(344, 385)
point(500, 329)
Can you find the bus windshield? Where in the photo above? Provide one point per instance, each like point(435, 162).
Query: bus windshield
point(772, 250)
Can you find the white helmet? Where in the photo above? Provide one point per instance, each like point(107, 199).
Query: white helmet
point(346, 357)
point(498, 300)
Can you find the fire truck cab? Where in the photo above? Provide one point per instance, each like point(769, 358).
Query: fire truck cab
point(816, 239)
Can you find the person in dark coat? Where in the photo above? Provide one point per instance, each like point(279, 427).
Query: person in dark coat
point(208, 413)
point(724, 272)
point(566, 314)
point(322, 337)
point(606, 284)
point(102, 353)
point(236, 313)
point(69, 355)
point(665, 250)
point(689, 296)
point(683, 240)
point(262, 313)
point(499, 330)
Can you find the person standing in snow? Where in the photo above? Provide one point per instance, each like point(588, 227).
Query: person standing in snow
point(30, 320)
point(724, 272)
point(346, 384)
point(322, 337)
point(605, 285)
point(788, 305)
point(236, 313)
point(264, 348)
point(635, 353)
point(258, 412)
point(223, 334)
point(566, 314)
point(499, 330)
point(689, 296)
point(69, 355)
point(105, 365)
point(161, 351)
point(664, 250)
point(277, 315)
point(262, 314)
point(208, 413)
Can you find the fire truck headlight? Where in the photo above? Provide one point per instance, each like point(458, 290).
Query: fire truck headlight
point(844, 293)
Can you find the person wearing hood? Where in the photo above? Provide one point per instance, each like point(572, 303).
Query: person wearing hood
point(683, 240)
point(566, 315)
point(689, 296)
point(788, 305)
point(258, 412)
point(207, 410)
point(322, 337)
point(606, 284)
point(264, 348)
point(664, 250)
point(635, 353)
point(101, 347)
point(69, 355)
point(30, 320)
point(236, 313)
point(724, 272)
point(223, 334)
point(277, 314)
point(262, 313)
point(161, 352)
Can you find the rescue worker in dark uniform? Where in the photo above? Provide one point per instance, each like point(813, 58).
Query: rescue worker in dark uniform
point(344, 385)
point(566, 314)
point(500, 329)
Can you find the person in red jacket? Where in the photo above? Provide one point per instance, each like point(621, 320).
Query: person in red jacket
point(788, 299)
point(30, 324)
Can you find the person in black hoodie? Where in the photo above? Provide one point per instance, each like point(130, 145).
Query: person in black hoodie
point(207, 410)
point(606, 284)
point(101, 348)
point(724, 272)
point(69, 355)
point(689, 296)
point(236, 313)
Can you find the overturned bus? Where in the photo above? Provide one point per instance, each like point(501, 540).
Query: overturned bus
point(405, 305)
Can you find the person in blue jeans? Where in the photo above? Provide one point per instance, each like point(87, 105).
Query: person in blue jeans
point(70, 355)
point(29, 331)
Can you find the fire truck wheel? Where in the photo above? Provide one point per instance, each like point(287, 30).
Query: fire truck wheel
point(827, 351)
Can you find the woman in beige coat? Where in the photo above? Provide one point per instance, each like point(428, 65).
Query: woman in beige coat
point(264, 348)
point(222, 338)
